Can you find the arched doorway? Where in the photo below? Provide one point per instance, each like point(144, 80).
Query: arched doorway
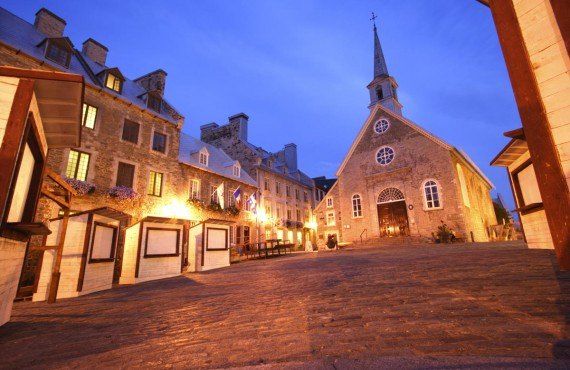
point(392, 213)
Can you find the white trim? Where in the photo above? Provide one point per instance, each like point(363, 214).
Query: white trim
point(397, 118)
point(327, 218)
point(352, 206)
point(378, 151)
point(390, 201)
point(439, 194)
point(378, 122)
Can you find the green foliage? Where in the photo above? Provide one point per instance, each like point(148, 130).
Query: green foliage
point(501, 213)
point(444, 233)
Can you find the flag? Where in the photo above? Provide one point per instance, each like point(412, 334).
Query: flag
point(220, 194)
point(237, 196)
point(252, 203)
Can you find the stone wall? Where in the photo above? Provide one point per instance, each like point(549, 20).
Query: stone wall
point(417, 159)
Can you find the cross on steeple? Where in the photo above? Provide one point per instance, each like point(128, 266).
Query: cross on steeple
point(373, 19)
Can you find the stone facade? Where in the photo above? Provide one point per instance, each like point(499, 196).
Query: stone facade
point(398, 179)
point(418, 158)
point(286, 196)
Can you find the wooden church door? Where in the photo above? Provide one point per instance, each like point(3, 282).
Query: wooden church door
point(393, 219)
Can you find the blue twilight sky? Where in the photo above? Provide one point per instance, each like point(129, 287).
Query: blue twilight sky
point(299, 68)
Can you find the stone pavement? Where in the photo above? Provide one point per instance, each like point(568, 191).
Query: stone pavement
point(406, 307)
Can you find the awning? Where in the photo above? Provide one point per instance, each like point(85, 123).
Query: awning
point(60, 102)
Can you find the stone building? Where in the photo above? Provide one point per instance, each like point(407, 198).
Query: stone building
point(285, 199)
point(400, 180)
point(535, 39)
point(129, 158)
point(204, 167)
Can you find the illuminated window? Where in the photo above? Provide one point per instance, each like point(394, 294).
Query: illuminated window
point(385, 155)
point(356, 206)
point(195, 189)
point(89, 116)
point(155, 184)
point(114, 83)
point(463, 185)
point(381, 126)
point(431, 195)
point(77, 165)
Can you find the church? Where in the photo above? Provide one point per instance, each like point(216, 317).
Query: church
point(399, 180)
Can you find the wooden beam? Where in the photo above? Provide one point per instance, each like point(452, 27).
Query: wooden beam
point(40, 74)
point(13, 140)
point(59, 180)
point(56, 101)
point(57, 199)
point(56, 273)
point(550, 176)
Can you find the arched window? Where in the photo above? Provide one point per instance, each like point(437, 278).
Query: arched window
point(385, 155)
point(381, 126)
point(390, 195)
point(432, 195)
point(463, 185)
point(356, 206)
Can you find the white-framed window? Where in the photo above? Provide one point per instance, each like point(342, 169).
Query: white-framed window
point(203, 157)
point(194, 189)
point(231, 200)
point(331, 219)
point(432, 196)
point(77, 165)
point(356, 206)
point(385, 155)
point(155, 184)
point(381, 126)
point(236, 171)
point(89, 116)
point(463, 185)
point(329, 202)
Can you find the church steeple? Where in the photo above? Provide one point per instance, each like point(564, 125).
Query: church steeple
point(383, 88)
point(380, 68)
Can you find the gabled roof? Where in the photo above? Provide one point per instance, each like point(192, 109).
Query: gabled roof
point(218, 160)
point(23, 37)
point(424, 132)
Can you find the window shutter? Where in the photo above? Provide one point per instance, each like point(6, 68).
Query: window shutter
point(125, 174)
point(131, 131)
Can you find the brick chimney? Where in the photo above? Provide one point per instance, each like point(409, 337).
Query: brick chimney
point(240, 122)
point(49, 24)
point(153, 81)
point(206, 131)
point(290, 154)
point(95, 51)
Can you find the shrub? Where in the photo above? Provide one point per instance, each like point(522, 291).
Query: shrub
point(81, 187)
point(123, 193)
point(444, 233)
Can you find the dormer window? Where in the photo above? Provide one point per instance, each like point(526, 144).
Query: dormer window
point(57, 51)
point(236, 170)
point(203, 157)
point(154, 102)
point(114, 83)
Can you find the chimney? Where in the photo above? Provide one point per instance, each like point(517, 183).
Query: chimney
point(206, 130)
point(95, 51)
point(240, 120)
point(290, 153)
point(49, 24)
point(153, 81)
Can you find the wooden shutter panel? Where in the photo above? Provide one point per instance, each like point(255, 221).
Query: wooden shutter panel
point(125, 174)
